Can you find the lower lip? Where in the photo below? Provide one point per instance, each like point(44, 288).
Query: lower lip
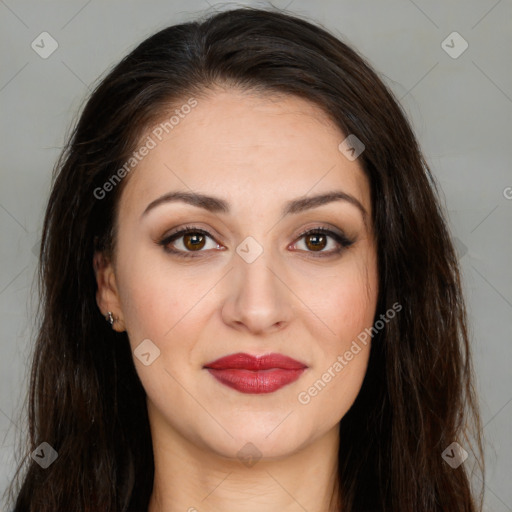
point(256, 382)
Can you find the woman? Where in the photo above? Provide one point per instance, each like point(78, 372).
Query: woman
point(251, 301)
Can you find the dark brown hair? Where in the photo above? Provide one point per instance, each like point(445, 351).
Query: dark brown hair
point(85, 397)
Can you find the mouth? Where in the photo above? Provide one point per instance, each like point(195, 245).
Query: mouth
point(256, 374)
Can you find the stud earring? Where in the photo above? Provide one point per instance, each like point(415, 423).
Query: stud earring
point(110, 318)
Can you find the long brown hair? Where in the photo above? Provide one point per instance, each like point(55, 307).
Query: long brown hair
point(85, 398)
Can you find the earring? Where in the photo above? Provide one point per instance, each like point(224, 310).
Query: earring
point(109, 318)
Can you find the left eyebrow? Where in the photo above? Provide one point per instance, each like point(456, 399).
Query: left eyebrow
point(306, 203)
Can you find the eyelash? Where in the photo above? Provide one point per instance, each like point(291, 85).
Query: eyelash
point(341, 239)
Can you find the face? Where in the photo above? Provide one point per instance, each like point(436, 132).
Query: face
point(252, 274)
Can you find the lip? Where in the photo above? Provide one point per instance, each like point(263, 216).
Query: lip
point(256, 374)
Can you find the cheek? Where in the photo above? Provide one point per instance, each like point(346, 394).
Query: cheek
point(346, 303)
point(148, 310)
point(153, 299)
point(347, 307)
point(168, 306)
point(158, 305)
point(342, 359)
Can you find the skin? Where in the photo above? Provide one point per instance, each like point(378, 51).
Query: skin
point(257, 152)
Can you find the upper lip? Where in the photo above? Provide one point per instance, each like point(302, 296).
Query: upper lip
point(248, 362)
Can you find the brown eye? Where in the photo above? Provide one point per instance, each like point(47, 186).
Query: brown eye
point(316, 241)
point(187, 242)
point(194, 241)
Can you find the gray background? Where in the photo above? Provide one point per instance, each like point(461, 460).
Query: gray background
point(460, 108)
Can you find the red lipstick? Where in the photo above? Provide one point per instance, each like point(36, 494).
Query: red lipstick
point(256, 374)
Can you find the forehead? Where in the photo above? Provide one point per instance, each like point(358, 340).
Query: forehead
point(252, 149)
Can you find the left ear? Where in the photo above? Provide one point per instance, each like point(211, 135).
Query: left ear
point(107, 296)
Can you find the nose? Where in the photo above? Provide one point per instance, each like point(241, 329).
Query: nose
point(258, 299)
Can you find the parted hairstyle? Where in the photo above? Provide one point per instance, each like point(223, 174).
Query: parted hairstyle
point(85, 398)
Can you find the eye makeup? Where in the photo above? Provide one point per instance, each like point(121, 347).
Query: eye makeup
point(198, 235)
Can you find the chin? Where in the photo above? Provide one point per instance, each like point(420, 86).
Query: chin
point(253, 435)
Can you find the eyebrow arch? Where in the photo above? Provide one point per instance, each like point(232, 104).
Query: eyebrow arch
point(218, 205)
